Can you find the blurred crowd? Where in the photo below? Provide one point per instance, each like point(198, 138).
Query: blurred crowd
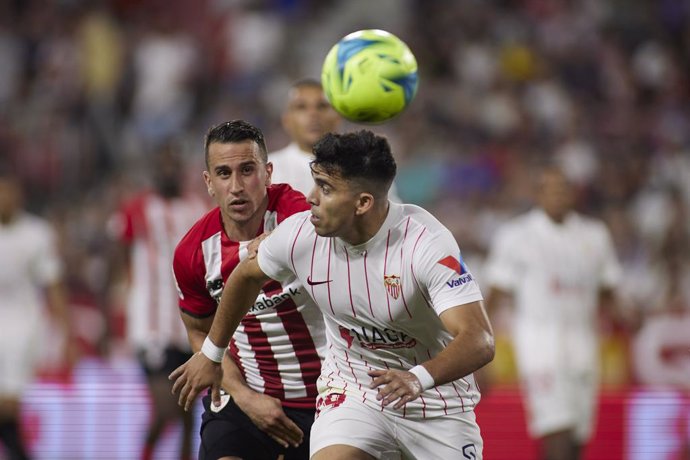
point(90, 90)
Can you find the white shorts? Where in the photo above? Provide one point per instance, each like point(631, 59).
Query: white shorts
point(557, 401)
point(385, 436)
point(20, 347)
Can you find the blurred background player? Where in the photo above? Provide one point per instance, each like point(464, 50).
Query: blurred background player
point(559, 266)
point(30, 274)
point(147, 227)
point(274, 358)
point(307, 117)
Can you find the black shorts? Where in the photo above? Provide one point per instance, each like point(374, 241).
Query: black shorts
point(164, 362)
point(231, 433)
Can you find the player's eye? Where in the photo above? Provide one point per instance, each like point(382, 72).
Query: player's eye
point(247, 169)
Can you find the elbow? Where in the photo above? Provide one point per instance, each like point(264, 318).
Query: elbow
point(487, 350)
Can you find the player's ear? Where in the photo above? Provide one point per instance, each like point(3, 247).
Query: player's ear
point(207, 181)
point(365, 201)
point(269, 173)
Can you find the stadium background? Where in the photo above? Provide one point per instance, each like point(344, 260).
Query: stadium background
point(89, 88)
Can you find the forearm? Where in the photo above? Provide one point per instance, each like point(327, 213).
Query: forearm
point(240, 293)
point(471, 348)
point(57, 299)
point(233, 380)
point(461, 357)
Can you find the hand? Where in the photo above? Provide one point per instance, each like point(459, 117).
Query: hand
point(267, 414)
point(253, 246)
point(400, 386)
point(192, 377)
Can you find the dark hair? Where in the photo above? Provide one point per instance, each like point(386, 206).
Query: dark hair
point(357, 156)
point(235, 131)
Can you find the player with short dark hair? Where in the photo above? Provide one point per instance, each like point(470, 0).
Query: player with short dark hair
point(404, 319)
point(274, 357)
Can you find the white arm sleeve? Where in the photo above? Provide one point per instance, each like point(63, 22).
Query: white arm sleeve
point(274, 256)
point(439, 267)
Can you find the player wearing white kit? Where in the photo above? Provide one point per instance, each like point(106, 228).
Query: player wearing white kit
point(556, 263)
point(404, 319)
point(277, 349)
point(30, 276)
point(307, 117)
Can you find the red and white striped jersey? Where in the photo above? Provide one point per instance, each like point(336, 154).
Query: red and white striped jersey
point(279, 344)
point(381, 301)
point(151, 227)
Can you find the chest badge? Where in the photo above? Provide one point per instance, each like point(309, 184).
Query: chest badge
point(392, 283)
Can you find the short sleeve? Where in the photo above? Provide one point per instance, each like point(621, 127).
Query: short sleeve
point(194, 297)
point(438, 265)
point(274, 252)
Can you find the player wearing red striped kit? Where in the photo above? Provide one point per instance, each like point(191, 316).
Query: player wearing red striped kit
point(405, 324)
point(271, 379)
point(146, 229)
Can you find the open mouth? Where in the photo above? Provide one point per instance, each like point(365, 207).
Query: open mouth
point(238, 204)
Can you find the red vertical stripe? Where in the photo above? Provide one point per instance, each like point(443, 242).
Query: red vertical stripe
point(235, 354)
point(305, 350)
point(402, 291)
point(385, 272)
point(349, 285)
point(265, 360)
point(292, 249)
point(328, 274)
point(366, 281)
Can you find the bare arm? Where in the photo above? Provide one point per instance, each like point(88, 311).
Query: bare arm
point(265, 411)
point(240, 292)
point(471, 348)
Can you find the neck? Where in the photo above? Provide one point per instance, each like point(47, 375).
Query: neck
point(246, 230)
point(305, 149)
point(367, 225)
point(557, 217)
point(6, 218)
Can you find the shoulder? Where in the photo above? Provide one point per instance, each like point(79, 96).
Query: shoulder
point(417, 216)
point(295, 228)
point(285, 200)
point(521, 223)
point(591, 225)
point(135, 204)
point(207, 226)
point(35, 226)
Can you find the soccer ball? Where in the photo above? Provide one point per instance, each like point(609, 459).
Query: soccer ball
point(369, 76)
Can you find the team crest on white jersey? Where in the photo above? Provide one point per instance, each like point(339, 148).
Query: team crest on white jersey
point(392, 283)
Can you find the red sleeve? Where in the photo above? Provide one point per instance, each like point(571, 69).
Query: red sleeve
point(188, 269)
point(122, 225)
point(288, 201)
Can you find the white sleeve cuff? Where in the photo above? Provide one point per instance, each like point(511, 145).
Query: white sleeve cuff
point(211, 351)
point(424, 377)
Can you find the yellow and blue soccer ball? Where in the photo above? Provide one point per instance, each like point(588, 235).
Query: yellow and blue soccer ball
point(370, 76)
